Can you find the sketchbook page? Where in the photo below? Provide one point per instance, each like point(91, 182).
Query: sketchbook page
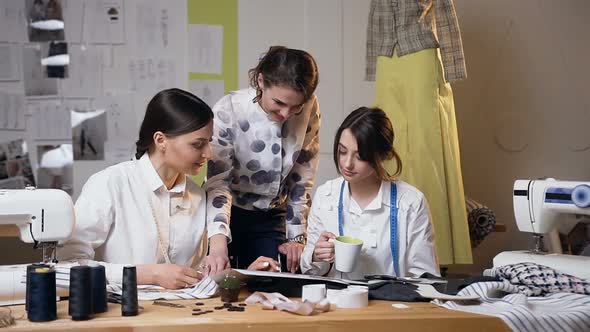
point(9, 63)
point(12, 111)
point(13, 27)
point(205, 48)
point(246, 274)
point(104, 22)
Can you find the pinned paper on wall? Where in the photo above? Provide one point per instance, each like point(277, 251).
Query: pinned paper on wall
point(55, 169)
point(45, 20)
point(210, 91)
point(12, 111)
point(104, 22)
point(84, 72)
point(89, 133)
point(50, 120)
point(13, 27)
point(147, 28)
point(205, 48)
point(72, 12)
point(154, 24)
point(121, 123)
point(15, 165)
point(115, 153)
point(9, 63)
point(34, 74)
point(115, 74)
point(56, 59)
point(151, 74)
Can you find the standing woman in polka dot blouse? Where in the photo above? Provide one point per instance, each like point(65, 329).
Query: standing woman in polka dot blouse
point(264, 161)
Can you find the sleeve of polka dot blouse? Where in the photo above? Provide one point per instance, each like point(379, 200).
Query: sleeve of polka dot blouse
point(219, 196)
point(302, 178)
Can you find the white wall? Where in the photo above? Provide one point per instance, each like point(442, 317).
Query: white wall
point(524, 110)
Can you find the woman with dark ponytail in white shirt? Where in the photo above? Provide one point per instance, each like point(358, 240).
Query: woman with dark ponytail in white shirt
point(147, 212)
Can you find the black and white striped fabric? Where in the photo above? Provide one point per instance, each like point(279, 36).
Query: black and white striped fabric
point(204, 289)
point(535, 280)
point(555, 312)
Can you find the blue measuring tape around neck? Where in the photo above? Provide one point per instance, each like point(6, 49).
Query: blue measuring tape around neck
point(393, 223)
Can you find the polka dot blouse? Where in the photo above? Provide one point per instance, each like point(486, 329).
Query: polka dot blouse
point(258, 163)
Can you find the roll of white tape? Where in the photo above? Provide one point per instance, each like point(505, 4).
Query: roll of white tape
point(353, 298)
point(313, 293)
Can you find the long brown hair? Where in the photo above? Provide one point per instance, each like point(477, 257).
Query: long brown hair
point(374, 136)
point(282, 66)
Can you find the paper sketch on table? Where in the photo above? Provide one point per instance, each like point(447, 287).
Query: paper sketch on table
point(15, 165)
point(84, 72)
point(121, 123)
point(151, 74)
point(205, 48)
point(104, 22)
point(34, 75)
point(12, 111)
point(45, 20)
point(9, 63)
point(49, 119)
point(89, 132)
point(55, 167)
point(13, 27)
point(210, 91)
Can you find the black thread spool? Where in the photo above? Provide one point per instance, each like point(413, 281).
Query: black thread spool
point(80, 307)
point(28, 292)
point(99, 289)
point(129, 306)
point(42, 298)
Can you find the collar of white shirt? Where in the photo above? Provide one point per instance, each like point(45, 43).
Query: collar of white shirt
point(381, 200)
point(155, 183)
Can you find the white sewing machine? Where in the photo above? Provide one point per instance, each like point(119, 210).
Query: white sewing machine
point(541, 206)
point(44, 217)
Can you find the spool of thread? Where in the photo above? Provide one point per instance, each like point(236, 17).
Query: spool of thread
point(42, 300)
point(27, 294)
point(99, 289)
point(80, 307)
point(129, 306)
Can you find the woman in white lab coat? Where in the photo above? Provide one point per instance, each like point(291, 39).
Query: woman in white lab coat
point(147, 212)
point(390, 216)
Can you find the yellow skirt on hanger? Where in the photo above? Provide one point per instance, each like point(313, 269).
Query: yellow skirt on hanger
point(412, 91)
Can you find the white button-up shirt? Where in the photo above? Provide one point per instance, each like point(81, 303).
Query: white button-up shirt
point(115, 224)
point(415, 236)
point(258, 163)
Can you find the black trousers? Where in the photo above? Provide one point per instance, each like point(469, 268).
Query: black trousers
point(256, 233)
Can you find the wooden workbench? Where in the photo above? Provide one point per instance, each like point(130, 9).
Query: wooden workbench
point(379, 316)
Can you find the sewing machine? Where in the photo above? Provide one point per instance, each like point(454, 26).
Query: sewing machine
point(44, 217)
point(541, 206)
